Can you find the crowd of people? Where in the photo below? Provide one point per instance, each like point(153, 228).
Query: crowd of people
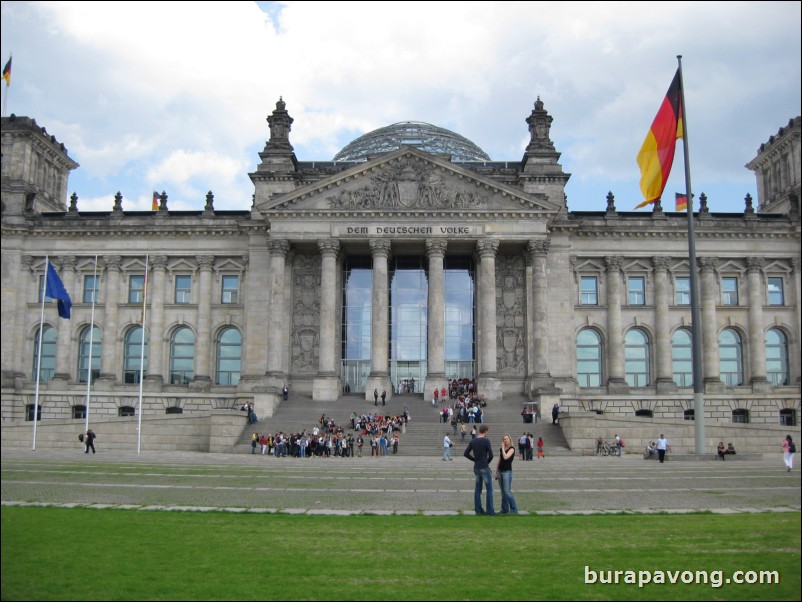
point(377, 434)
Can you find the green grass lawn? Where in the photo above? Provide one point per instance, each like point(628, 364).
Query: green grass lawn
point(89, 554)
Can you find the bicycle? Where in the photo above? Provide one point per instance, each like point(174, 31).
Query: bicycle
point(606, 449)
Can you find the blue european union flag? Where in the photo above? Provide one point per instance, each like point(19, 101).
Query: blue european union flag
point(54, 288)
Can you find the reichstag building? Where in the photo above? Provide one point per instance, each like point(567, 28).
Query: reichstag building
point(409, 259)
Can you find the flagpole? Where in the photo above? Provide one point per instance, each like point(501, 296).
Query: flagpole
point(91, 337)
point(39, 354)
point(696, 321)
point(142, 358)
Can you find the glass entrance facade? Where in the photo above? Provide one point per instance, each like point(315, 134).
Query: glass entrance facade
point(409, 297)
point(408, 321)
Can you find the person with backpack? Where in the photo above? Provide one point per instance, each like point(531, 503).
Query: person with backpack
point(789, 449)
point(89, 440)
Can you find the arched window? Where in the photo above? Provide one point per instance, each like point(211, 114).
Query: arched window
point(636, 354)
point(689, 414)
point(182, 356)
point(83, 353)
point(730, 353)
point(79, 411)
point(126, 411)
point(740, 415)
point(133, 360)
point(588, 358)
point(681, 359)
point(174, 410)
point(229, 357)
point(776, 357)
point(48, 367)
point(644, 413)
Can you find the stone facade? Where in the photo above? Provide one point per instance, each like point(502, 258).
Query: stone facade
point(242, 302)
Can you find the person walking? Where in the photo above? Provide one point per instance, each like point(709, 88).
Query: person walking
point(463, 430)
point(480, 452)
point(89, 440)
point(540, 453)
point(447, 445)
point(662, 448)
point(506, 456)
point(789, 449)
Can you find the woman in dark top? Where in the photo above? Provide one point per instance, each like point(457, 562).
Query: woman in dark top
point(507, 455)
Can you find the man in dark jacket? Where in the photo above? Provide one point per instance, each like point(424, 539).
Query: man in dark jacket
point(480, 452)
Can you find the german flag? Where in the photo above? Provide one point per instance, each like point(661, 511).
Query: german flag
point(155, 205)
point(657, 153)
point(7, 72)
point(680, 202)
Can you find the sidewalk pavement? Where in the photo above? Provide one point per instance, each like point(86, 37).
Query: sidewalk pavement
point(389, 485)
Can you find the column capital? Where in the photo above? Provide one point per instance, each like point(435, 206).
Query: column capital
point(708, 264)
point(379, 247)
point(67, 262)
point(661, 262)
point(278, 246)
point(159, 262)
point(112, 262)
point(613, 263)
point(754, 264)
point(538, 248)
point(205, 262)
point(436, 247)
point(487, 247)
point(329, 246)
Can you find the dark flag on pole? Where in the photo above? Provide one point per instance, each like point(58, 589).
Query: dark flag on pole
point(680, 202)
point(7, 72)
point(54, 289)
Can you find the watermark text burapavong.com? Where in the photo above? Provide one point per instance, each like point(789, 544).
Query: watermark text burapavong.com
point(657, 577)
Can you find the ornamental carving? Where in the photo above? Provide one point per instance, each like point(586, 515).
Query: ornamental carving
point(305, 335)
point(510, 315)
point(409, 185)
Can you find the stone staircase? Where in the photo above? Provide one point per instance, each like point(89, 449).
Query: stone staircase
point(423, 435)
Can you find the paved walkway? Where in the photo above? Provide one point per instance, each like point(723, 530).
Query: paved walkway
point(391, 485)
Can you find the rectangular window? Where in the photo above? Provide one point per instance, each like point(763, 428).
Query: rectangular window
point(636, 290)
point(776, 296)
point(230, 289)
point(183, 288)
point(136, 285)
point(729, 291)
point(590, 290)
point(91, 288)
point(682, 291)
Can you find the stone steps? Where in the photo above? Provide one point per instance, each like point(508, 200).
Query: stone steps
point(423, 436)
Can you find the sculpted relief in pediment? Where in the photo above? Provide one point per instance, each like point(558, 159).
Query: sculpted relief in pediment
point(410, 185)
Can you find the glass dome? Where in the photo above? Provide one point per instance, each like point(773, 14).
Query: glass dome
point(423, 136)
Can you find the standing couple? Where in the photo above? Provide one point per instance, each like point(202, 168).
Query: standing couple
point(480, 452)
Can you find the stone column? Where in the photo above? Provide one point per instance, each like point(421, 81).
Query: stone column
point(326, 384)
point(257, 313)
point(203, 342)
point(662, 335)
point(793, 344)
point(489, 384)
point(21, 362)
point(379, 346)
point(64, 346)
point(757, 340)
point(436, 303)
point(616, 383)
point(539, 250)
point(156, 340)
point(709, 294)
point(277, 317)
point(109, 359)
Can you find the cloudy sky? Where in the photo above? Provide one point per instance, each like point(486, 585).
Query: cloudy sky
point(174, 96)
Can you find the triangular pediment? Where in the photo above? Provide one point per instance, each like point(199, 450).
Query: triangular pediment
point(408, 181)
